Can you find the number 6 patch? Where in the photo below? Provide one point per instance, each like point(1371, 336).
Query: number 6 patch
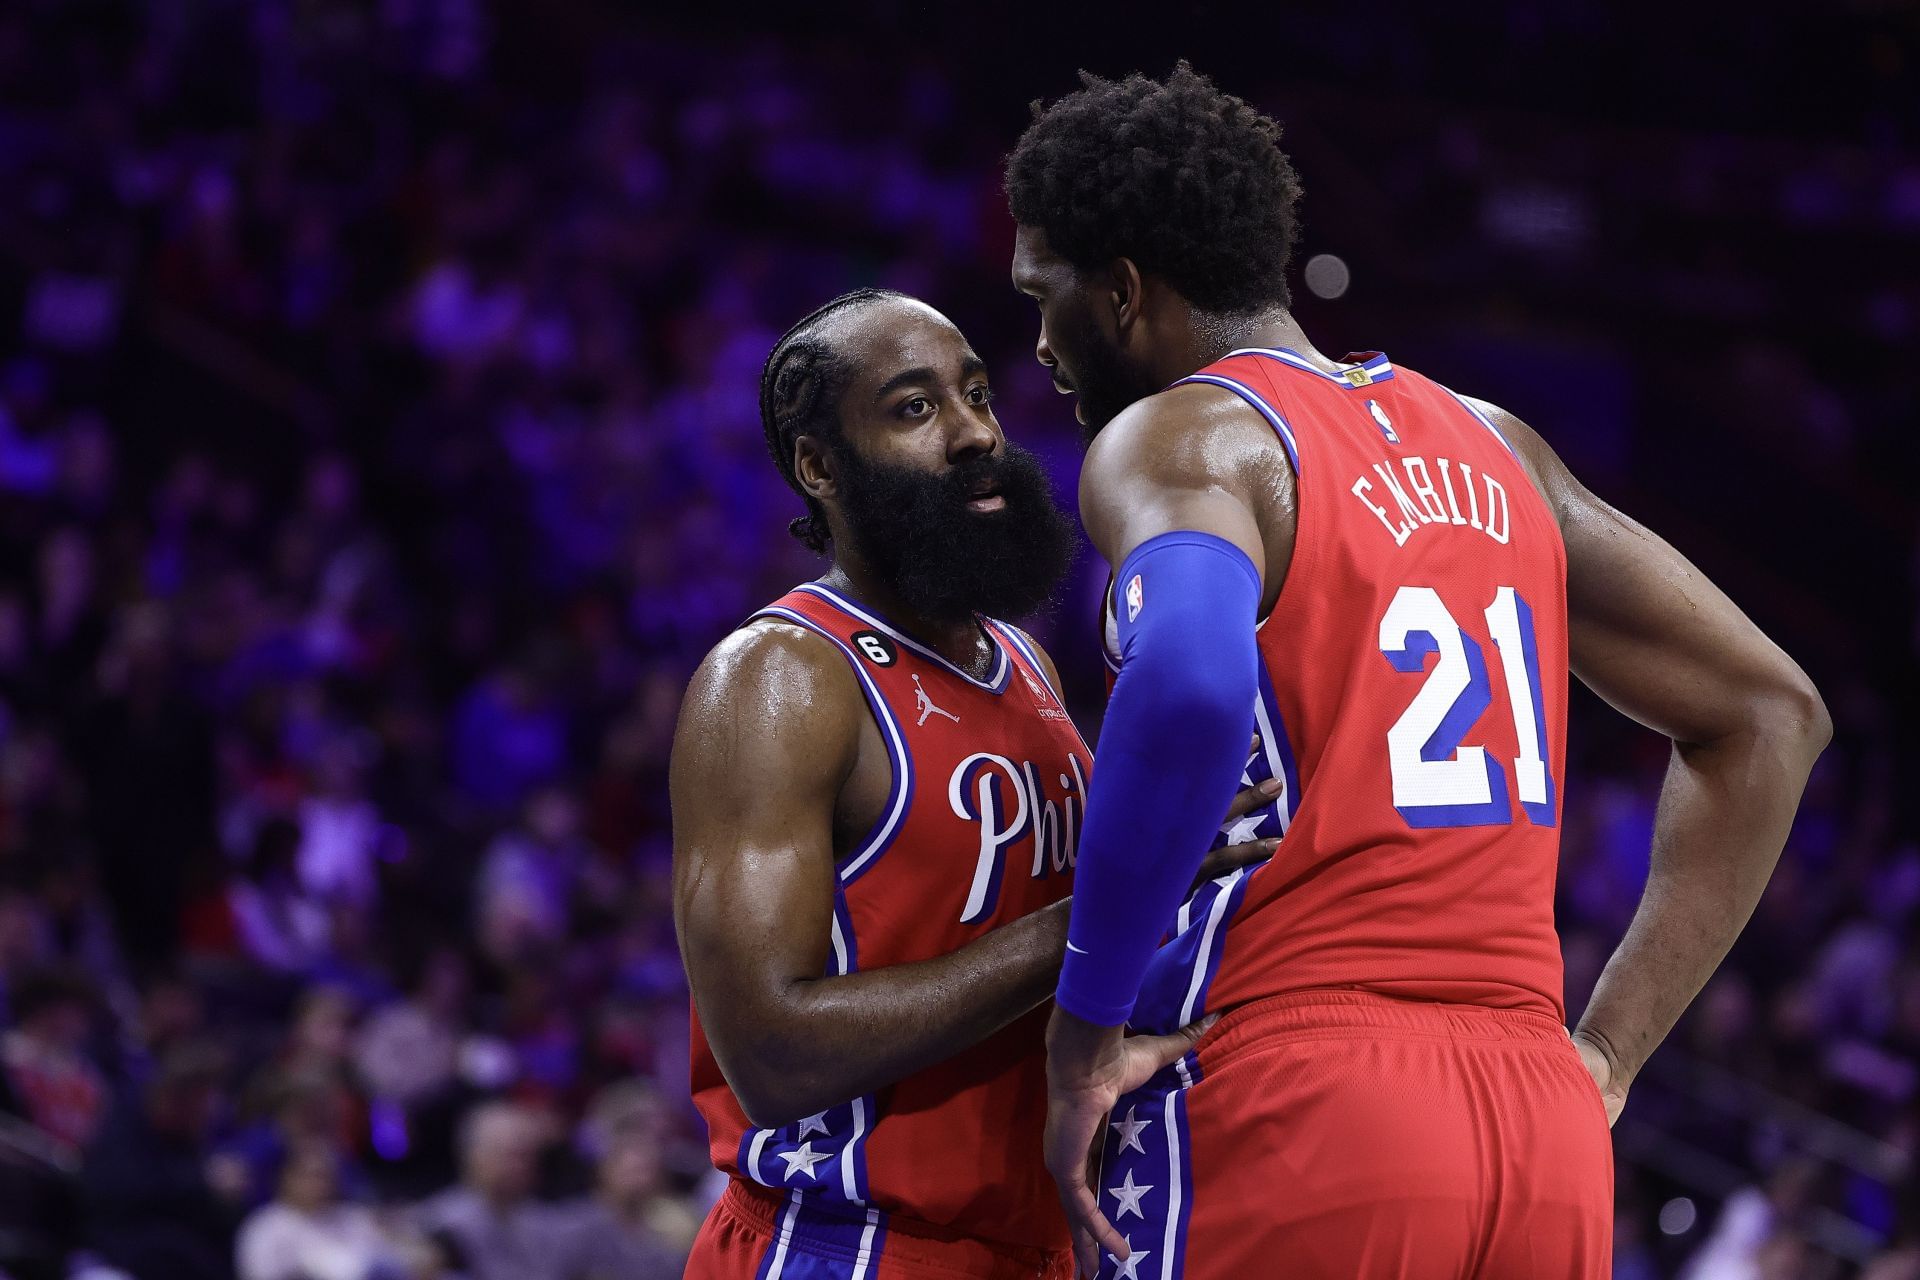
point(878, 648)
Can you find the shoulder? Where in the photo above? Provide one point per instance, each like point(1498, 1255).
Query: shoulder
point(1549, 474)
point(1174, 433)
point(768, 656)
point(1195, 456)
point(794, 685)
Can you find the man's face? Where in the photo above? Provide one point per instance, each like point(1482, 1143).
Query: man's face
point(1078, 343)
point(928, 489)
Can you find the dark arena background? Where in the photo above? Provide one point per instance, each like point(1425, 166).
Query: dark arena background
point(379, 453)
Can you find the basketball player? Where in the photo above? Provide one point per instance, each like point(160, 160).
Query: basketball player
point(876, 801)
point(1392, 581)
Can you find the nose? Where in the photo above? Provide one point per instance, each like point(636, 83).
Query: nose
point(1041, 351)
point(973, 434)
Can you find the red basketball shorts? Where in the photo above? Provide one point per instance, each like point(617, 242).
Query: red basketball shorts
point(755, 1234)
point(1329, 1135)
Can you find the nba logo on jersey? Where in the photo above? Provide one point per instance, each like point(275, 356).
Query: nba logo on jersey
point(1386, 423)
point(1136, 598)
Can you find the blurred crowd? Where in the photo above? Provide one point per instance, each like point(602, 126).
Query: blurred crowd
point(379, 451)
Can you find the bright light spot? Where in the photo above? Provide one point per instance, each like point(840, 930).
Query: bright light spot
point(1678, 1216)
point(1327, 276)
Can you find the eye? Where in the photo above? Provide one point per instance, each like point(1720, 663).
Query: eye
point(980, 394)
point(917, 407)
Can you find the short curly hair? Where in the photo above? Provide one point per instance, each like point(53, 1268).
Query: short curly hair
point(1187, 181)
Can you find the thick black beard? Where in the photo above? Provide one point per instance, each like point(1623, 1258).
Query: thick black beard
point(1105, 385)
point(944, 561)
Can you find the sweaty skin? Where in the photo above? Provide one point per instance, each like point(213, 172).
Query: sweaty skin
point(778, 767)
point(1648, 633)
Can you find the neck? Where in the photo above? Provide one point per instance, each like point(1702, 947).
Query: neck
point(960, 641)
point(1210, 337)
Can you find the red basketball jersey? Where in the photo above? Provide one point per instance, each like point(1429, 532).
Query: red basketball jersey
point(979, 829)
point(1413, 699)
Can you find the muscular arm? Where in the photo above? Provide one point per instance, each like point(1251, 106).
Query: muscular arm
point(1665, 646)
point(769, 733)
point(1164, 496)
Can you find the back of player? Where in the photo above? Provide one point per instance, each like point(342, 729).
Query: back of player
point(1391, 1090)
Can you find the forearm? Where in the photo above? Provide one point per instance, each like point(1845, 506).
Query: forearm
point(1171, 753)
point(1724, 813)
point(840, 1037)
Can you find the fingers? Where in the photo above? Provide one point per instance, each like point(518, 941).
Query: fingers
point(1091, 1227)
point(1070, 1152)
point(1086, 1255)
point(1148, 1055)
point(1251, 798)
point(1232, 858)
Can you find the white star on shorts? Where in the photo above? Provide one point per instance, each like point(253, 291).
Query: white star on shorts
point(1125, 1270)
point(803, 1160)
point(1129, 1131)
point(1129, 1197)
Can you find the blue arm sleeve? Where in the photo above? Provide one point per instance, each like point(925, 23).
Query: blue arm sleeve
point(1169, 760)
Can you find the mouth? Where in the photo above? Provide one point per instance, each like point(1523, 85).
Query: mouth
point(985, 498)
point(987, 502)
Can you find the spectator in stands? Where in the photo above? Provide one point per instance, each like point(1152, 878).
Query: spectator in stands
point(160, 1205)
point(281, 923)
point(490, 1227)
point(309, 1233)
point(631, 1226)
point(44, 1071)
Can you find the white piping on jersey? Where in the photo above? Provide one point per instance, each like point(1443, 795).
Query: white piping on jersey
point(779, 1266)
point(1482, 418)
point(864, 1259)
point(996, 681)
point(760, 1137)
point(853, 1145)
point(839, 945)
point(1216, 912)
point(889, 730)
point(1259, 402)
point(1019, 641)
point(1378, 367)
point(1174, 1188)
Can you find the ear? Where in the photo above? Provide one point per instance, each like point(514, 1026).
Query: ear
point(1125, 293)
point(813, 467)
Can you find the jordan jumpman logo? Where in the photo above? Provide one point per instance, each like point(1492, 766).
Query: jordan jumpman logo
point(925, 704)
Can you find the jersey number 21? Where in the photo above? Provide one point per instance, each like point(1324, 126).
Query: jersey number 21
point(1438, 782)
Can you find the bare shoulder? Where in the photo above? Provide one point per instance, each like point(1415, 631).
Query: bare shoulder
point(1190, 434)
point(1550, 475)
point(1190, 438)
point(789, 683)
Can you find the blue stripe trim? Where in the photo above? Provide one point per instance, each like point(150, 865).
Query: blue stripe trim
point(816, 1242)
point(996, 682)
point(773, 1263)
point(1013, 637)
point(1180, 976)
point(1180, 1166)
point(1482, 419)
point(1253, 398)
point(1145, 1182)
point(1378, 367)
point(893, 814)
point(1541, 814)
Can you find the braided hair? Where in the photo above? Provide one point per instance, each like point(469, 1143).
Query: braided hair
point(800, 389)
